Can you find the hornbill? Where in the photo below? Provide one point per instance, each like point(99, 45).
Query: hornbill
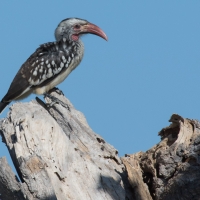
point(52, 62)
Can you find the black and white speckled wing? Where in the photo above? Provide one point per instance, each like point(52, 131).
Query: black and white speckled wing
point(48, 61)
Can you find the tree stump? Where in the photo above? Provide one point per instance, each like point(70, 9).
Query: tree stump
point(58, 156)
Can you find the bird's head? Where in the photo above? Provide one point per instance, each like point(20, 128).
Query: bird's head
point(73, 28)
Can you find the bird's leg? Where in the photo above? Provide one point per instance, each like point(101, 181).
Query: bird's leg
point(55, 100)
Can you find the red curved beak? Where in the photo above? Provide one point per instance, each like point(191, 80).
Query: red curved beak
point(93, 29)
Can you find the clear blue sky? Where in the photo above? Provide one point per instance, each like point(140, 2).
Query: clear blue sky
point(127, 87)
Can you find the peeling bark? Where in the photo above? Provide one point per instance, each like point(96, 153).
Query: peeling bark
point(58, 156)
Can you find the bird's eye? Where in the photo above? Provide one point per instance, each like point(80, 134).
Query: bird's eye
point(77, 26)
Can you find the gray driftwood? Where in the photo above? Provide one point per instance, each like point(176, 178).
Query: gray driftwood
point(58, 156)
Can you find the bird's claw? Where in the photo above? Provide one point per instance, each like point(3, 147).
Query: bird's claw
point(55, 100)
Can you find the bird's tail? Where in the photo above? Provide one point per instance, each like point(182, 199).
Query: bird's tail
point(3, 105)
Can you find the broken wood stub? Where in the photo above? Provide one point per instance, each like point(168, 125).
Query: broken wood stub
point(171, 169)
point(58, 156)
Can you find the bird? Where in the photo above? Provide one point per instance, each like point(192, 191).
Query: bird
point(51, 62)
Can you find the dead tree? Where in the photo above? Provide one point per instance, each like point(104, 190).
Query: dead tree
point(58, 156)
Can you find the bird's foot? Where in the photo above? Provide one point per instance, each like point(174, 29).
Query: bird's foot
point(57, 90)
point(55, 100)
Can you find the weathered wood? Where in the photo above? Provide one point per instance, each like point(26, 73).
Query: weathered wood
point(58, 156)
point(135, 177)
point(9, 184)
point(171, 169)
